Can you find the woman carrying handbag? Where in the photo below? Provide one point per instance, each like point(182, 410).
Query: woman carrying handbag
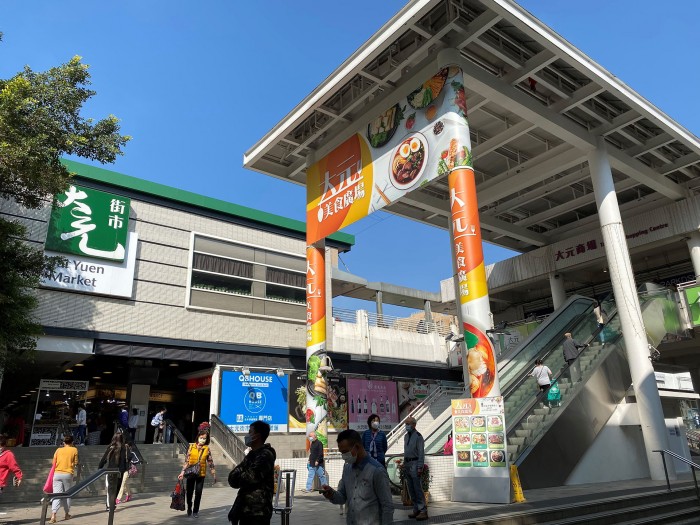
point(115, 457)
point(194, 471)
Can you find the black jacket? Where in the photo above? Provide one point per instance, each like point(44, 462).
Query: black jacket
point(316, 453)
point(254, 477)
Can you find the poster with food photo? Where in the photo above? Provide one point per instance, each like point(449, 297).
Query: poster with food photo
point(337, 418)
point(479, 432)
point(405, 146)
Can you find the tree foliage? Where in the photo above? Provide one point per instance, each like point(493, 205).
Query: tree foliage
point(40, 122)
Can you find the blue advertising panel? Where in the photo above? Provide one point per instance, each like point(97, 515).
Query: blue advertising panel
point(259, 396)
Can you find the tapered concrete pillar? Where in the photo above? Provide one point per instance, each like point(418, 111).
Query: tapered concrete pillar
point(556, 285)
point(694, 248)
point(648, 401)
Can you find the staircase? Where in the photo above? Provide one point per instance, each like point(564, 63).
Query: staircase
point(432, 409)
point(159, 475)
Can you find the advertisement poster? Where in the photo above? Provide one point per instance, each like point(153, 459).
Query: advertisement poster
point(411, 394)
point(258, 396)
point(403, 148)
point(372, 397)
point(479, 435)
point(337, 403)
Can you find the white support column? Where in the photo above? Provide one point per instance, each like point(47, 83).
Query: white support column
point(648, 401)
point(215, 391)
point(694, 247)
point(556, 284)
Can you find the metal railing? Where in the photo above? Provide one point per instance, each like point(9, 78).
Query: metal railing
point(692, 465)
point(400, 429)
point(404, 324)
point(179, 439)
point(76, 489)
point(227, 440)
point(287, 479)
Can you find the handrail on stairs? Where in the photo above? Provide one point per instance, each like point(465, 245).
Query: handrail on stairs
point(227, 439)
point(398, 431)
point(693, 467)
point(180, 440)
point(75, 489)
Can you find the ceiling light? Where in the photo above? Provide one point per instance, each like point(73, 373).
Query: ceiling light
point(246, 371)
point(174, 364)
point(68, 370)
point(107, 372)
point(280, 372)
point(78, 364)
point(96, 377)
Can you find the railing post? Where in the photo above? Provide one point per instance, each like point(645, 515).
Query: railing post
point(695, 479)
point(663, 458)
point(44, 508)
point(287, 488)
point(143, 476)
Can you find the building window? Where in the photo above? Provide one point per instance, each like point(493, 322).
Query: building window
point(239, 277)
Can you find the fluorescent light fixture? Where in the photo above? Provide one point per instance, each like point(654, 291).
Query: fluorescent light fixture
point(246, 371)
point(280, 372)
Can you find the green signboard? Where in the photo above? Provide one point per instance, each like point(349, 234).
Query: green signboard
point(89, 223)
point(693, 296)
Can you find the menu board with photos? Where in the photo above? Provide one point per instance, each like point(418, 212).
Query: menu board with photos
point(478, 433)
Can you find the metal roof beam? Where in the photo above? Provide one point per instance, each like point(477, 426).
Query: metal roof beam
point(513, 132)
point(476, 27)
point(644, 174)
point(579, 96)
point(525, 106)
point(651, 144)
point(572, 205)
point(530, 67)
point(619, 122)
point(508, 183)
point(680, 163)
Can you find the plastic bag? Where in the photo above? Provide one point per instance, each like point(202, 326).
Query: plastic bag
point(177, 497)
point(48, 486)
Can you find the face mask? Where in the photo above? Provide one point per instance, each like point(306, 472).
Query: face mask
point(409, 428)
point(349, 458)
point(248, 440)
point(311, 439)
point(202, 441)
point(375, 425)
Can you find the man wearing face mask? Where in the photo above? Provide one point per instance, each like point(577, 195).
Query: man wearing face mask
point(414, 459)
point(315, 466)
point(364, 485)
point(254, 477)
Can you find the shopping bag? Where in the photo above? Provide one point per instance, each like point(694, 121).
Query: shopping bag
point(405, 497)
point(48, 486)
point(554, 394)
point(177, 497)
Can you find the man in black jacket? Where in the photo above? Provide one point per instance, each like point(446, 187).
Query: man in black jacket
point(254, 477)
point(315, 465)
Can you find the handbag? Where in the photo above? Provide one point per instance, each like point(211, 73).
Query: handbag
point(133, 471)
point(192, 471)
point(48, 486)
point(177, 497)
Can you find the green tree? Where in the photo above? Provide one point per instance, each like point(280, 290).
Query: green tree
point(40, 122)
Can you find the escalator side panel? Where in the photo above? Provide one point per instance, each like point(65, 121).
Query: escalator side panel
point(556, 454)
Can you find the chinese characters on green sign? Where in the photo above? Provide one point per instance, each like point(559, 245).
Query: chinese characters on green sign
point(90, 223)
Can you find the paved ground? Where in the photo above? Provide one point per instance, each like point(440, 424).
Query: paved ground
point(154, 509)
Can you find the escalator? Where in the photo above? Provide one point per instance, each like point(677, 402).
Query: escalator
point(559, 437)
point(575, 316)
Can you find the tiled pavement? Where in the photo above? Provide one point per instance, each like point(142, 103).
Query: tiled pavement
point(312, 509)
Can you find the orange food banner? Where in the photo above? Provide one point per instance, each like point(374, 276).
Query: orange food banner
point(316, 359)
point(405, 147)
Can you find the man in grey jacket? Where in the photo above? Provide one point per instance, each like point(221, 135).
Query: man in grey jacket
point(364, 485)
point(571, 350)
point(414, 459)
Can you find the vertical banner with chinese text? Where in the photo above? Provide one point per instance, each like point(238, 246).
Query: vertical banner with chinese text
point(316, 360)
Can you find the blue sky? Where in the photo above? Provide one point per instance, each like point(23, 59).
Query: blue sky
point(198, 83)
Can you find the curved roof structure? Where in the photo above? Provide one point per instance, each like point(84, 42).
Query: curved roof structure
point(530, 144)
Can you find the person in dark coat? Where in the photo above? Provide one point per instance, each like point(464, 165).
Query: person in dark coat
point(118, 456)
point(316, 466)
point(254, 477)
point(571, 350)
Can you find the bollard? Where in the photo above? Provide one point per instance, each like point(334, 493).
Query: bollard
point(285, 513)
